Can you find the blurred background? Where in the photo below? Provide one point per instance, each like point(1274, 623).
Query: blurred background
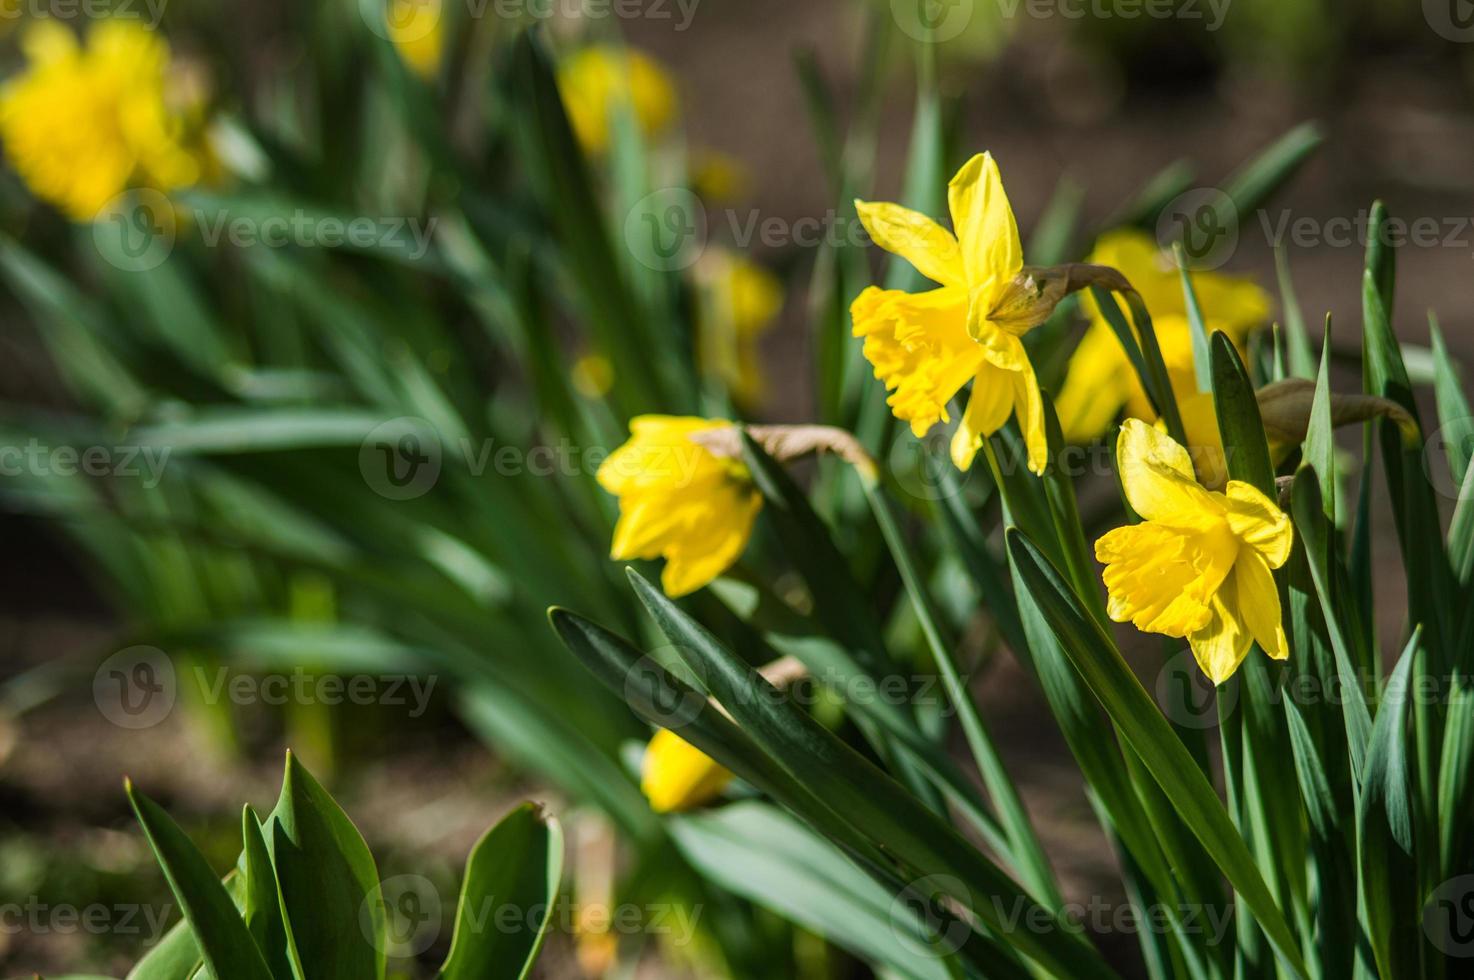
point(262, 547)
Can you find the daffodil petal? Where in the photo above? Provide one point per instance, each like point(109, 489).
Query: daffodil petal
point(916, 238)
point(984, 222)
point(1259, 523)
point(1028, 403)
point(676, 775)
point(999, 346)
point(1222, 644)
point(919, 347)
point(988, 408)
point(1259, 603)
point(711, 545)
point(1158, 478)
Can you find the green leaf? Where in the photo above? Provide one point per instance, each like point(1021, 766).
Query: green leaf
point(759, 853)
point(1454, 417)
point(1313, 531)
point(224, 940)
point(561, 177)
point(261, 900)
point(1456, 783)
point(1255, 182)
point(1389, 860)
point(1239, 423)
point(881, 809)
point(328, 882)
point(518, 865)
point(1109, 677)
point(1297, 339)
point(1202, 363)
point(1320, 440)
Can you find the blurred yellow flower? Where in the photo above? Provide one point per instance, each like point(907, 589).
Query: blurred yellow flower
point(739, 302)
point(81, 125)
point(1101, 381)
point(926, 346)
point(1198, 566)
point(418, 31)
point(592, 375)
point(676, 775)
point(679, 500)
point(598, 80)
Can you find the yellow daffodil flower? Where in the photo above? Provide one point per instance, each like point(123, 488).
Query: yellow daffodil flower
point(679, 500)
point(81, 125)
point(677, 776)
point(599, 79)
point(926, 346)
point(1101, 381)
point(417, 29)
point(739, 302)
point(1198, 566)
